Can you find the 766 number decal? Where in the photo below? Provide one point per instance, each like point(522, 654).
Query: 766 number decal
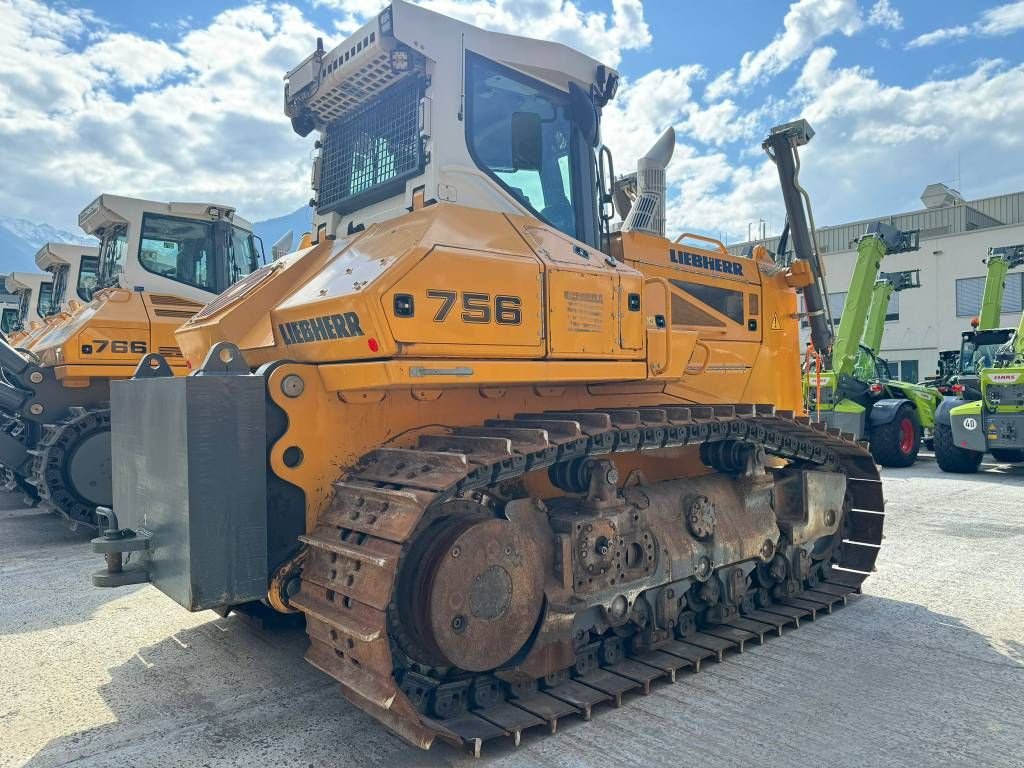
point(117, 346)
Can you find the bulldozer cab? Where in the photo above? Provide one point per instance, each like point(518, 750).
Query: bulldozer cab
point(415, 108)
point(190, 250)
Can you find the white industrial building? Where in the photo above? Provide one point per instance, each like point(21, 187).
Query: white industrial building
point(955, 237)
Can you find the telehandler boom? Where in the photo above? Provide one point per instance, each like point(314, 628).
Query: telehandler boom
point(853, 389)
point(508, 462)
point(886, 285)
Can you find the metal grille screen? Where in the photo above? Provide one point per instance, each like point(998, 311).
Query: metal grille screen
point(367, 155)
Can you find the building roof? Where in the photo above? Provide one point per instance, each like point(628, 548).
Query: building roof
point(956, 217)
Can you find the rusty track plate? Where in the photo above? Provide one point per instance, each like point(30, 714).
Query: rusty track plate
point(547, 708)
point(666, 662)
point(692, 653)
point(510, 717)
point(731, 633)
point(609, 683)
point(638, 672)
point(712, 643)
point(583, 697)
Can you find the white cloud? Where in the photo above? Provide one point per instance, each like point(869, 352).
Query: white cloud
point(994, 22)
point(882, 14)
point(806, 22)
point(85, 108)
point(594, 32)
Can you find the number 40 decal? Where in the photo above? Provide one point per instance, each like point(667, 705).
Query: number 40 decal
point(479, 308)
point(120, 347)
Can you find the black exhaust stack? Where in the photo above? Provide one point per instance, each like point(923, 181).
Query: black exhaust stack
point(781, 146)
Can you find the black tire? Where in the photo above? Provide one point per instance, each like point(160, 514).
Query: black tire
point(1007, 455)
point(896, 444)
point(952, 458)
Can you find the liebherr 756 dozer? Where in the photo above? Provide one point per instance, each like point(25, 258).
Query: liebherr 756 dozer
point(158, 263)
point(509, 463)
point(34, 292)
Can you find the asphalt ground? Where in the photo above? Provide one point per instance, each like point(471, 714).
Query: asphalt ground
point(926, 668)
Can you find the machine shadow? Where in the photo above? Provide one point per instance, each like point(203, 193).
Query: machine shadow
point(226, 692)
point(38, 542)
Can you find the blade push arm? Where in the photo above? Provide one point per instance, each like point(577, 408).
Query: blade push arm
point(1000, 261)
point(887, 284)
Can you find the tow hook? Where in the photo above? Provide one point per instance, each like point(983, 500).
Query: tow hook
point(113, 543)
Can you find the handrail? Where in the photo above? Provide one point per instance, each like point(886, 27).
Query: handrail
point(711, 240)
point(707, 359)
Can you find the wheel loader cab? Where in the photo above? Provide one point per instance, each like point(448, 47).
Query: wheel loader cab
point(74, 269)
point(34, 292)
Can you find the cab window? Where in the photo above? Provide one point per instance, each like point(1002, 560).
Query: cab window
point(520, 133)
point(88, 277)
point(179, 249)
point(112, 250)
point(10, 319)
point(243, 258)
point(60, 284)
point(44, 304)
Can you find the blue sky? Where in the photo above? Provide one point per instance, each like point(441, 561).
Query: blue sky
point(182, 99)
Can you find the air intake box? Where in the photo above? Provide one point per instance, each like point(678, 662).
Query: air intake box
point(189, 466)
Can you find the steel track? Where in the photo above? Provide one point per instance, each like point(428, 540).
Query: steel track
point(354, 552)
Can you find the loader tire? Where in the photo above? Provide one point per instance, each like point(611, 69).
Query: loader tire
point(897, 443)
point(1007, 455)
point(952, 458)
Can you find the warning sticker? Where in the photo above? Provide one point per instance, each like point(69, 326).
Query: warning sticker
point(776, 323)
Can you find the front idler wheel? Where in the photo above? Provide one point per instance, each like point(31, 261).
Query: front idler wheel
point(472, 596)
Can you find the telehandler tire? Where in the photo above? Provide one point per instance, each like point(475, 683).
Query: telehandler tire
point(952, 458)
point(896, 444)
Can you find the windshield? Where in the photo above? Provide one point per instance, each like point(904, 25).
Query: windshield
point(112, 251)
point(24, 301)
point(868, 367)
point(44, 304)
point(210, 255)
point(9, 321)
point(60, 282)
point(88, 277)
point(979, 350)
point(520, 132)
point(243, 257)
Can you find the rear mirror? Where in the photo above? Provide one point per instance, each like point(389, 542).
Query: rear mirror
point(526, 141)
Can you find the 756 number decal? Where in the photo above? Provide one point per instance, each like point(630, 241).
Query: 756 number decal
point(478, 307)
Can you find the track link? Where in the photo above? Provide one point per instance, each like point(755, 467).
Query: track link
point(352, 559)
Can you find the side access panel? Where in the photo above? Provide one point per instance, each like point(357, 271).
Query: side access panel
point(189, 466)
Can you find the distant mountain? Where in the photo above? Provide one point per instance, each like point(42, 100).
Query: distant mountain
point(20, 239)
point(271, 230)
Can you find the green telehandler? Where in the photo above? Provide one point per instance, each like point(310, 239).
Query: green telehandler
point(849, 386)
point(986, 415)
